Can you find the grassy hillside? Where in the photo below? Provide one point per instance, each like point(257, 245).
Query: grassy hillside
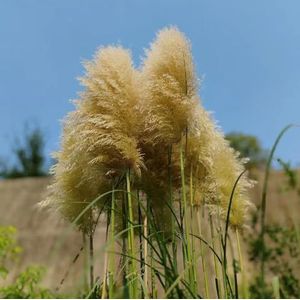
point(48, 241)
point(45, 238)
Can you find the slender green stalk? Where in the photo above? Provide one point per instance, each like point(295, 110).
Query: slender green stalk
point(226, 232)
point(264, 201)
point(193, 259)
point(224, 274)
point(111, 256)
point(153, 282)
point(276, 287)
point(234, 278)
point(149, 238)
point(145, 252)
point(219, 230)
point(132, 263)
point(91, 239)
point(141, 244)
point(92, 290)
point(85, 261)
point(236, 286)
point(202, 254)
point(244, 277)
point(217, 280)
point(182, 209)
point(187, 245)
point(74, 260)
point(104, 281)
point(124, 246)
point(171, 204)
point(108, 242)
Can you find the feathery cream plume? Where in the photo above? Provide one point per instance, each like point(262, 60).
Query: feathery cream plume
point(127, 118)
point(170, 98)
point(227, 168)
point(74, 185)
point(170, 87)
point(100, 136)
point(110, 113)
point(222, 167)
point(174, 115)
point(169, 90)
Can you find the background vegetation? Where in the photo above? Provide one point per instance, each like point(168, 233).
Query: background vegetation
point(281, 252)
point(28, 155)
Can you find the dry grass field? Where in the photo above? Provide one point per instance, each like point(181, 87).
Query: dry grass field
point(45, 238)
point(48, 241)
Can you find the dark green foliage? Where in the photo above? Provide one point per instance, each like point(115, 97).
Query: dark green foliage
point(249, 147)
point(290, 286)
point(259, 290)
point(272, 246)
point(29, 157)
point(280, 252)
point(282, 258)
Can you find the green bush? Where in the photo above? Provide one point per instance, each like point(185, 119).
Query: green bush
point(8, 248)
point(27, 283)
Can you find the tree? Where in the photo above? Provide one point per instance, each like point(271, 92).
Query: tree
point(29, 157)
point(248, 146)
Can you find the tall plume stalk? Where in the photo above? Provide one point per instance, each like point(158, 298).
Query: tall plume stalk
point(145, 132)
point(169, 98)
point(111, 128)
point(99, 144)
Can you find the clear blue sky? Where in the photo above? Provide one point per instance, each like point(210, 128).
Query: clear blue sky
point(248, 53)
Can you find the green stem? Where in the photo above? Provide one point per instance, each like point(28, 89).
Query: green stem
point(217, 280)
point(174, 245)
point(145, 228)
point(264, 201)
point(132, 264)
point(244, 278)
point(224, 244)
point(142, 259)
point(86, 260)
point(220, 243)
point(111, 257)
point(187, 245)
point(91, 240)
point(124, 246)
point(193, 258)
point(104, 282)
point(202, 255)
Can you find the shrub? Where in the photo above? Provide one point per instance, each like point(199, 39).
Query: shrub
point(27, 283)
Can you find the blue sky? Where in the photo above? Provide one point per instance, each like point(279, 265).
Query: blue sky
point(247, 52)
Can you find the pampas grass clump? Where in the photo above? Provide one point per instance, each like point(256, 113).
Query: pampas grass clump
point(145, 131)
